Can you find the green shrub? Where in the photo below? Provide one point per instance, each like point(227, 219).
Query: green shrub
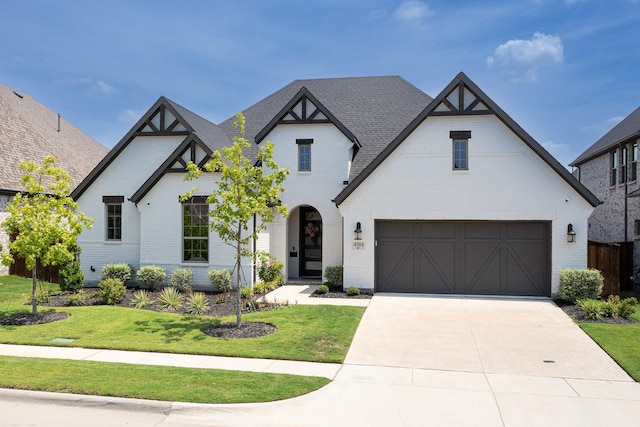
point(43, 293)
point(71, 277)
point(220, 279)
point(170, 299)
point(353, 291)
point(141, 299)
point(182, 280)
point(270, 286)
point(269, 268)
point(246, 293)
point(334, 276)
point(577, 284)
point(322, 289)
point(592, 308)
point(112, 290)
point(120, 271)
point(151, 276)
point(197, 303)
point(78, 299)
point(259, 288)
point(627, 307)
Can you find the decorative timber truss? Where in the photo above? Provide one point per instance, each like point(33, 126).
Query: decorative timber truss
point(461, 100)
point(162, 122)
point(304, 108)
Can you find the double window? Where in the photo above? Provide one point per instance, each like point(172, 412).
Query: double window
point(614, 168)
point(195, 230)
point(460, 149)
point(304, 154)
point(623, 164)
point(113, 217)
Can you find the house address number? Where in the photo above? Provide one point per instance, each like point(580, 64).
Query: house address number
point(357, 245)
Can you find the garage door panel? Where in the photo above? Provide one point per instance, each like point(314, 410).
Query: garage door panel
point(437, 267)
point(498, 258)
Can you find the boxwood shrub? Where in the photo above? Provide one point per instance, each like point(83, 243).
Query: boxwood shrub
point(577, 284)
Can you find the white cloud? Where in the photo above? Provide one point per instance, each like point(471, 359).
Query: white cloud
point(130, 116)
point(100, 87)
point(92, 86)
point(412, 11)
point(522, 59)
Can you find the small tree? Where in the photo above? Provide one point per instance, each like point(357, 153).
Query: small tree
point(247, 189)
point(44, 219)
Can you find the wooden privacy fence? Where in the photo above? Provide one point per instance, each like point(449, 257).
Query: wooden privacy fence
point(615, 261)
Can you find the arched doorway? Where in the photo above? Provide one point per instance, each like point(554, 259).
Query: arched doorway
point(310, 242)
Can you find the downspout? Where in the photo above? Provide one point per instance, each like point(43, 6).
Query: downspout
point(626, 191)
point(255, 245)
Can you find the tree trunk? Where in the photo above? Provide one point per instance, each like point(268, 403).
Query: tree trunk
point(34, 300)
point(239, 264)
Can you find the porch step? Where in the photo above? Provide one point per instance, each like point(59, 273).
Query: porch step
point(299, 282)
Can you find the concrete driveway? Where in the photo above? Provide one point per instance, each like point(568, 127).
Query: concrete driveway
point(421, 360)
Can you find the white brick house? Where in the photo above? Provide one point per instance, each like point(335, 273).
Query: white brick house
point(450, 194)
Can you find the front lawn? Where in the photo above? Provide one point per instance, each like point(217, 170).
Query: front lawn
point(310, 333)
point(152, 382)
point(621, 342)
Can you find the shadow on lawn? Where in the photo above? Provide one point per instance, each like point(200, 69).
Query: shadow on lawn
point(173, 330)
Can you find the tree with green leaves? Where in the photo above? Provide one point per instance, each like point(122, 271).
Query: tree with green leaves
point(247, 189)
point(44, 220)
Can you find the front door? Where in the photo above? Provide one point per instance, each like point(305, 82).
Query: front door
point(310, 242)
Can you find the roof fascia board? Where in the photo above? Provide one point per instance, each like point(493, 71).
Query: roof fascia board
point(122, 144)
point(629, 138)
point(502, 116)
point(302, 93)
point(159, 173)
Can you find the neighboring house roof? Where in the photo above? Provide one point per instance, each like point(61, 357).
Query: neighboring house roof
point(462, 97)
point(371, 109)
point(628, 129)
point(165, 118)
point(29, 131)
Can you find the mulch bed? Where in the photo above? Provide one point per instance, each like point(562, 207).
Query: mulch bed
point(577, 314)
point(218, 307)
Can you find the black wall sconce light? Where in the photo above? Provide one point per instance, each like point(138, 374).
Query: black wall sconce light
point(571, 235)
point(358, 231)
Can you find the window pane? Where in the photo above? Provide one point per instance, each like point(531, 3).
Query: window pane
point(460, 155)
point(114, 222)
point(195, 242)
point(304, 157)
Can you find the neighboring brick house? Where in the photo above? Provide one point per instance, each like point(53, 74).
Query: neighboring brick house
point(408, 193)
point(29, 131)
point(609, 168)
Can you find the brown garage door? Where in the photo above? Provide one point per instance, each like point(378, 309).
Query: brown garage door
point(456, 257)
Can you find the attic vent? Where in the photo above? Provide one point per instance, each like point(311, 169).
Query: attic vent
point(17, 94)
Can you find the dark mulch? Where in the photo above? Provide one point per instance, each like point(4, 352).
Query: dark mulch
point(26, 319)
point(576, 313)
point(219, 306)
point(340, 294)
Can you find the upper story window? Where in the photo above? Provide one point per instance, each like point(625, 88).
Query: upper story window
point(634, 162)
point(460, 149)
point(623, 165)
point(195, 230)
point(304, 154)
point(614, 168)
point(113, 217)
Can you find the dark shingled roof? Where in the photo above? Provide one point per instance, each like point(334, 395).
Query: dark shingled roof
point(29, 131)
point(625, 131)
point(374, 109)
point(211, 134)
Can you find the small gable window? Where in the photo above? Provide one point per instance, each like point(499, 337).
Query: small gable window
point(113, 217)
point(460, 149)
point(195, 230)
point(304, 154)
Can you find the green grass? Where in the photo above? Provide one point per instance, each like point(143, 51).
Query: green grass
point(152, 382)
point(621, 342)
point(309, 333)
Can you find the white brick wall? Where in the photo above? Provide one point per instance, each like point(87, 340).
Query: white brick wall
point(505, 181)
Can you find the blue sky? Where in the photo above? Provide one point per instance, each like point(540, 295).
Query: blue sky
point(565, 70)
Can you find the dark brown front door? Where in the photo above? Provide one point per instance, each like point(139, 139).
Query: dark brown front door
point(310, 242)
point(458, 257)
